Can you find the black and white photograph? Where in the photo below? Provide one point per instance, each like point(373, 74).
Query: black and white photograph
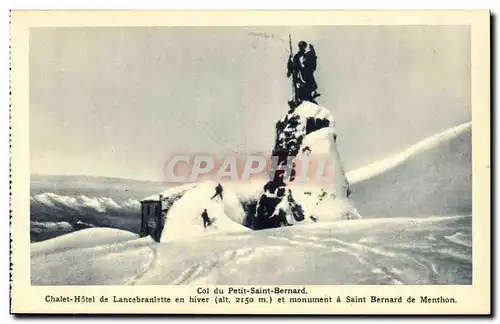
point(261, 155)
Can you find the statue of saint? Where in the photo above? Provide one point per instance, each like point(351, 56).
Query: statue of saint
point(301, 68)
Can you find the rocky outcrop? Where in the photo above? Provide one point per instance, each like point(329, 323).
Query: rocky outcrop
point(305, 130)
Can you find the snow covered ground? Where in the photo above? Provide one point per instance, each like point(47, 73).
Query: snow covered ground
point(435, 250)
point(379, 167)
point(433, 177)
point(184, 218)
point(392, 245)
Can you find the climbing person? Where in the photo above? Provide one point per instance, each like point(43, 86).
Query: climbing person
point(206, 220)
point(218, 191)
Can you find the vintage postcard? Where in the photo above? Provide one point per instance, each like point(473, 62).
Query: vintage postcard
point(250, 162)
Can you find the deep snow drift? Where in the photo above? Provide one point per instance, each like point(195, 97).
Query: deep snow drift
point(305, 131)
point(85, 238)
point(433, 177)
point(183, 219)
point(443, 138)
point(434, 250)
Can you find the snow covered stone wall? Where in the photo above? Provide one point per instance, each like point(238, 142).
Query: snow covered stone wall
point(309, 129)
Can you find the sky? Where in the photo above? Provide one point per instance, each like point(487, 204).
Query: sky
point(120, 102)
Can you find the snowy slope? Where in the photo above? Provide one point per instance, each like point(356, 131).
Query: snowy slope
point(434, 177)
point(82, 239)
point(172, 191)
point(184, 217)
point(399, 158)
point(435, 250)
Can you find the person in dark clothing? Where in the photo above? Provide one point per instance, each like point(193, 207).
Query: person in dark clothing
point(206, 220)
point(302, 67)
point(218, 191)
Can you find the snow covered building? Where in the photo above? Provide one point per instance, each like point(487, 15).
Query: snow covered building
point(152, 220)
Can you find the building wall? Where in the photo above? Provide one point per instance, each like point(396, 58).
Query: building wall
point(152, 220)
